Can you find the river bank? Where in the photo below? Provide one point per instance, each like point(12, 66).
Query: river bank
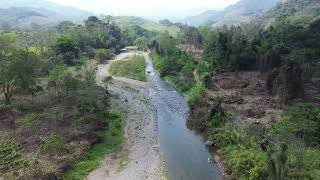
point(139, 157)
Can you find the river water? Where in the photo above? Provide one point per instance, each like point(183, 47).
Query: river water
point(184, 153)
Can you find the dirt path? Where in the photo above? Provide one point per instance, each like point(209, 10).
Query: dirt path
point(139, 157)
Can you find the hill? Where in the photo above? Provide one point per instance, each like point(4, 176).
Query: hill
point(22, 13)
point(299, 11)
point(242, 12)
point(130, 21)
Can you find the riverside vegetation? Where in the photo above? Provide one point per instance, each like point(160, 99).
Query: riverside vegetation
point(252, 92)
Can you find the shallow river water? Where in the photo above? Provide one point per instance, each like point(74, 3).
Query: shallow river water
point(184, 153)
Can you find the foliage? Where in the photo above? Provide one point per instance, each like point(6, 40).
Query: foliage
point(229, 49)
point(87, 75)
point(18, 71)
point(217, 119)
point(9, 151)
point(196, 93)
point(67, 48)
point(301, 120)
point(109, 140)
point(133, 68)
point(173, 64)
point(97, 34)
point(304, 164)
point(53, 145)
point(103, 54)
point(242, 154)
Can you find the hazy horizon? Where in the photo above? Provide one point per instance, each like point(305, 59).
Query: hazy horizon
point(153, 9)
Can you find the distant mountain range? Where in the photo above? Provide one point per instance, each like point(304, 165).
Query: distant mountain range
point(22, 13)
point(242, 12)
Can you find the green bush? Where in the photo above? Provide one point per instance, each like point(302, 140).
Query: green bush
point(196, 93)
point(242, 154)
point(217, 119)
point(53, 145)
point(103, 54)
point(159, 63)
point(304, 164)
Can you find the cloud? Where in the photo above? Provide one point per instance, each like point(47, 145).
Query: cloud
point(147, 8)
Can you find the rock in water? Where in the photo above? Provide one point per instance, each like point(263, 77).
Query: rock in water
point(209, 143)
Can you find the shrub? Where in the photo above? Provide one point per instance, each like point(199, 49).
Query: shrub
point(103, 54)
point(159, 63)
point(242, 154)
point(217, 119)
point(304, 164)
point(196, 93)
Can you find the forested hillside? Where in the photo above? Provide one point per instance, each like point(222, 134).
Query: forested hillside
point(300, 11)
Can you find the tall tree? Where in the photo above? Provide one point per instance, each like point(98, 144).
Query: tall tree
point(18, 71)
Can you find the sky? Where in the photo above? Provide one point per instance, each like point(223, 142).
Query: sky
point(148, 8)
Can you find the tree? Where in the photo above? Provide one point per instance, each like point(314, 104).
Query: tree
point(27, 40)
point(67, 48)
point(193, 38)
point(65, 27)
point(18, 71)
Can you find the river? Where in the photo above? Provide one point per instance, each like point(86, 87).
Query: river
point(184, 153)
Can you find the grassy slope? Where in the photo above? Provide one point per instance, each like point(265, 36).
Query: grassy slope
point(134, 68)
point(125, 21)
